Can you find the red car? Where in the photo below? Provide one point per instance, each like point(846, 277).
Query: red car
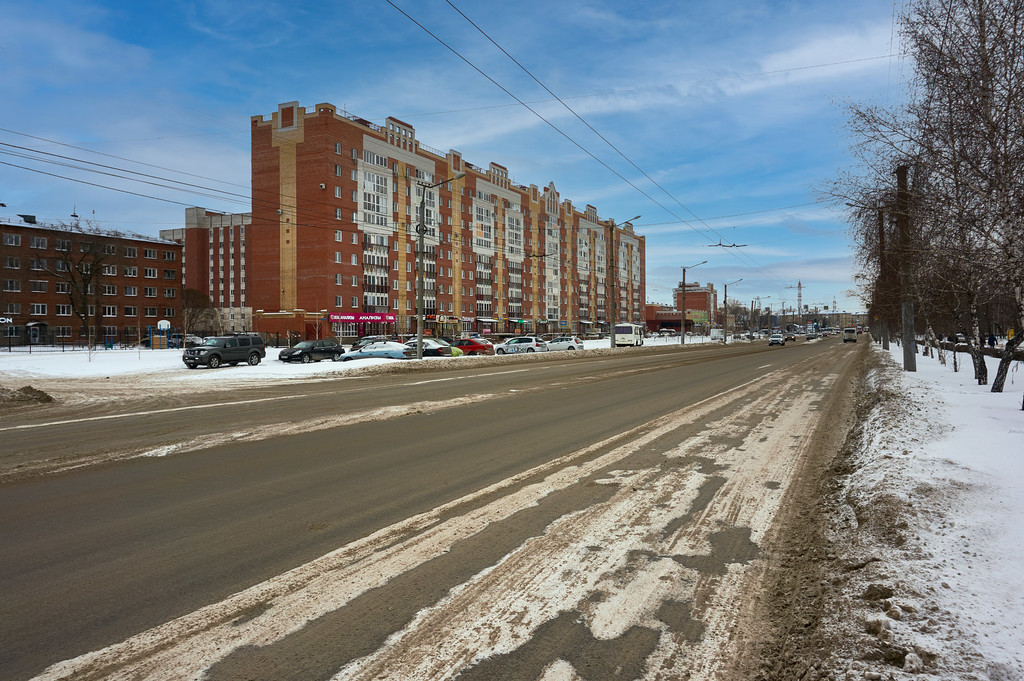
point(474, 346)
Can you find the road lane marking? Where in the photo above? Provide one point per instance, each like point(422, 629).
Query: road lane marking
point(147, 413)
point(459, 378)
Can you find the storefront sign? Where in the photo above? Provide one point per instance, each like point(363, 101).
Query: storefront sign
point(6, 320)
point(362, 317)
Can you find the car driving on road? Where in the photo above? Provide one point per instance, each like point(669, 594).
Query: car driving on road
point(776, 339)
point(312, 351)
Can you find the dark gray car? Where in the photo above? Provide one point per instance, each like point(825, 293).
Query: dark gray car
point(218, 350)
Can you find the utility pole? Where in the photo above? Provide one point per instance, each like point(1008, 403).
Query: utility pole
point(725, 307)
point(421, 230)
point(883, 277)
point(903, 229)
point(682, 324)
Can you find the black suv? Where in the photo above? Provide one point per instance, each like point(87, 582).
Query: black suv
point(218, 350)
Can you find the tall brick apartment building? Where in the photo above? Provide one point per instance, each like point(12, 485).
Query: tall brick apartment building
point(69, 283)
point(332, 239)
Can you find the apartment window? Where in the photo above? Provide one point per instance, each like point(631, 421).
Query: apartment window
point(339, 301)
point(63, 287)
point(170, 256)
point(63, 310)
point(109, 249)
point(338, 235)
point(149, 253)
point(37, 264)
point(337, 170)
point(150, 311)
point(131, 290)
point(37, 308)
point(12, 285)
point(355, 239)
point(337, 257)
point(355, 301)
point(150, 291)
point(149, 273)
point(170, 293)
point(131, 311)
point(355, 259)
point(62, 245)
point(12, 239)
point(170, 311)
point(12, 308)
point(37, 242)
point(337, 214)
point(170, 275)
point(62, 331)
point(131, 251)
point(12, 263)
point(110, 270)
point(337, 192)
point(355, 280)
point(131, 271)
point(110, 310)
point(337, 150)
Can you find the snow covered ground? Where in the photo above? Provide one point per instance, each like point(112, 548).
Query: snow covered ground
point(20, 364)
point(933, 505)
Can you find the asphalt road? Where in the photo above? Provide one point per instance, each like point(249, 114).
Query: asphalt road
point(241, 488)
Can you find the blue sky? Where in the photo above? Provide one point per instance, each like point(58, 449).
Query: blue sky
point(736, 110)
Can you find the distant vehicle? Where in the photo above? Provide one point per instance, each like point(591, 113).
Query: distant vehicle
point(312, 351)
point(432, 347)
point(850, 335)
point(776, 339)
point(790, 336)
point(627, 333)
point(381, 349)
point(474, 346)
point(520, 344)
point(565, 343)
point(366, 340)
point(218, 350)
point(811, 335)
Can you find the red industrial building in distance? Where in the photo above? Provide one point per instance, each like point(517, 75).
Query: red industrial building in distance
point(330, 246)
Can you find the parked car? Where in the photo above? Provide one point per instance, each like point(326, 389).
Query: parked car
point(312, 351)
point(776, 339)
point(218, 350)
point(565, 343)
point(520, 344)
point(366, 340)
point(383, 349)
point(432, 347)
point(474, 346)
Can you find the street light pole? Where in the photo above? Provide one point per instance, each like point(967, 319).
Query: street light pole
point(421, 230)
point(725, 307)
point(682, 324)
point(613, 251)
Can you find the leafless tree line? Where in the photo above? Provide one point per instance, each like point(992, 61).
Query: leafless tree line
point(961, 136)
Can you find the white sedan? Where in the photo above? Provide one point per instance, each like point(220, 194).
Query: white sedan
point(565, 343)
point(520, 344)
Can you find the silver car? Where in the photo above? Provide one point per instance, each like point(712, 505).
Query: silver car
point(520, 344)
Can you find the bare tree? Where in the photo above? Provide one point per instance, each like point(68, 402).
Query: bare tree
point(197, 311)
point(87, 257)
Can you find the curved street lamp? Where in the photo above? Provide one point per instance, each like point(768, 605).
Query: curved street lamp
point(682, 324)
point(725, 306)
point(421, 230)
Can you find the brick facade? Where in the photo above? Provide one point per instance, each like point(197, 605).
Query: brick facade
point(122, 284)
point(336, 201)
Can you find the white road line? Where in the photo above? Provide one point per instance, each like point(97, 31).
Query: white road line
point(459, 378)
point(146, 413)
